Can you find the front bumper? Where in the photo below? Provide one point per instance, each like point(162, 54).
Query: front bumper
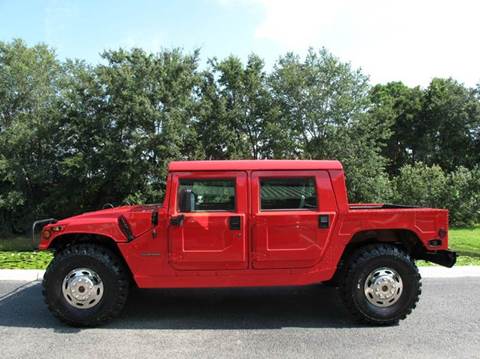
point(444, 258)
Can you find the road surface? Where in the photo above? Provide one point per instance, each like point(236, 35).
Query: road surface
point(306, 322)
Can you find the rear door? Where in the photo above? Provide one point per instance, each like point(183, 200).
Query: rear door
point(213, 236)
point(292, 217)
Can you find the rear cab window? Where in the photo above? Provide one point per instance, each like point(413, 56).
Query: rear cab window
point(288, 193)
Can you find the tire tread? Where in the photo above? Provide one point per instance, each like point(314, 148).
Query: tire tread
point(106, 257)
point(363, 255)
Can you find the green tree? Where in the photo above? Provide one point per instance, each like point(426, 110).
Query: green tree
point(29, 83)
point(236, 110)
point(130, 117)
point(324, 107)
point(453, 114)
point(438, 125)
point(74, 136)
point(401, 106)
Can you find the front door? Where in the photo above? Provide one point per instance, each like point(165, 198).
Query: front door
point(293, 215)
point(212, 235)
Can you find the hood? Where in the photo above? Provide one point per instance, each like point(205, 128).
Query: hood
point(138, 217)
point(103, 213)
point(114, 212)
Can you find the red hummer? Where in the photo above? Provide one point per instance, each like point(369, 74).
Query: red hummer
point(245, 223)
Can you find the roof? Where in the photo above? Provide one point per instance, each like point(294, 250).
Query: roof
point(260, 165)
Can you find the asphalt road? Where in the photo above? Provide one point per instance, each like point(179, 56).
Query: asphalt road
point(245, 323)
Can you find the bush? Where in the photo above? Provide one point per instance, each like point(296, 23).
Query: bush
point(463, 196)
point(430, 186)
point(420, 185)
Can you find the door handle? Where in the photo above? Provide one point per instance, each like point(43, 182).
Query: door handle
point(234, 223)
point(323, 221)
point(177, 220)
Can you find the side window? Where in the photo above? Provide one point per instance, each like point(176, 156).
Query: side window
point(210, 194)
point(288, 193)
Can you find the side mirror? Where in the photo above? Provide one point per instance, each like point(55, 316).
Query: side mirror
point(187, 201)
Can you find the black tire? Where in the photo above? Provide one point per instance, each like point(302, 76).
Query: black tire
point(367, 260)
point(114, 276)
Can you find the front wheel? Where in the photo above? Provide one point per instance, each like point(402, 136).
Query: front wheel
point(85, 285)
point(382, 284)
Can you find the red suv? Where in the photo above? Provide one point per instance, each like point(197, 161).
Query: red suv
point(245, 223)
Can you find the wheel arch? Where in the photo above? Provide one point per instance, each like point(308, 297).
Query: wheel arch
point(403, 238)
point(64, 240)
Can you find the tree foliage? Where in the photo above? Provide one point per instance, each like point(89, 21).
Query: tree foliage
point(236, 110)
point(430, 186)
point(323, 105)
point(74, 136)
point(438, 125)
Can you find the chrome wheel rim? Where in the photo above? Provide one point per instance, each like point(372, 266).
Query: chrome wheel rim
point(383, 287)
point(82, 288)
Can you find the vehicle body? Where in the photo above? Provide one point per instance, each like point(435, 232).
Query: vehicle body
point(222, 224)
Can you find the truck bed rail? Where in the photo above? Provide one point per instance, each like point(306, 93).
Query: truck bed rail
point(378, 206)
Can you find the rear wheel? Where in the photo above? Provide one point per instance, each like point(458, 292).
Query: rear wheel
point(381, 285)
point(86, 285)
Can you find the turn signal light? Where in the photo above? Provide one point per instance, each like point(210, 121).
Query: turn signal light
point(47, 233)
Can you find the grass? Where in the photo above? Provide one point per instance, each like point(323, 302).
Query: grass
point(19, 252)
point(466, 241)
point(25, 260)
